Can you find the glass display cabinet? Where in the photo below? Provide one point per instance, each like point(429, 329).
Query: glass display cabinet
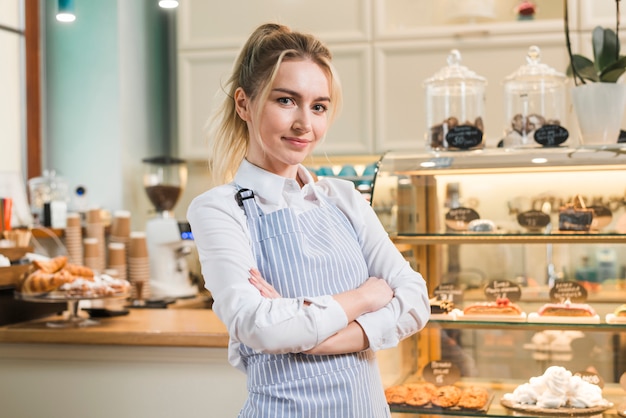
point(535, 227)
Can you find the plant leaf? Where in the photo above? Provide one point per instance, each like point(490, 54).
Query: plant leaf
point(584, 67)
point(613, 71)
point(605, 47)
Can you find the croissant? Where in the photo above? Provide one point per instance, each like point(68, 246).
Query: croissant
point(52, 265)
point(42, 282)
point(79, 271)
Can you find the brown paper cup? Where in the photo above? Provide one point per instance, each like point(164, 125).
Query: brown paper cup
point(117, 254)
point(73, 220)
point(137, 247)
point(94, 216)
point(91, 248)
point(120, 227)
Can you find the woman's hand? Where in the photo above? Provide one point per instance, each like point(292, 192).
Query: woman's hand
point(376, 293)
point(266, 289)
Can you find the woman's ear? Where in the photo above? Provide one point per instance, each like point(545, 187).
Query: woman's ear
point(242, 104)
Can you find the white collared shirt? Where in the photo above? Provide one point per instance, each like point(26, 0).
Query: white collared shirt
point(223, 242)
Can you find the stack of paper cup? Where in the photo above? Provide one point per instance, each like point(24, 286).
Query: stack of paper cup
point(95, 229)
point(92, 254)
point(139, 264)
point(120, 233)
point(74, 239)
point(117, 259)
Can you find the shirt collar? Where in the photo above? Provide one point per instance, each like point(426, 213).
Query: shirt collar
point(267, 186)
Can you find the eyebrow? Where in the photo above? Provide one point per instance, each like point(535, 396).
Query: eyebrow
point(298, 95)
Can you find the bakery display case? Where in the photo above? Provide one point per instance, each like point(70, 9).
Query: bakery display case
point(524, 254)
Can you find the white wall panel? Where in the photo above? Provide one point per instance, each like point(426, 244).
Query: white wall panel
point(228, 23)
point(11, 102)
point(599, 12)
point(11, 14)
point(352, 131)
point(201, 78)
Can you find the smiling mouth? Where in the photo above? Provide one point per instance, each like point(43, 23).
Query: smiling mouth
point(297, 140)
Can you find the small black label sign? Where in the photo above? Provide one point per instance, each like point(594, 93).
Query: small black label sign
point(458, 218)
point(568, 290)
point(464, 137)
point(533, 219)
point(441, 373)
point(449, 291)
point(497, 289)
point(551, 135)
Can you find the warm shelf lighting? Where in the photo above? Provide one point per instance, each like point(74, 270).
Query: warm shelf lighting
point(168, 4)
point(65, 11)
point(539, 160)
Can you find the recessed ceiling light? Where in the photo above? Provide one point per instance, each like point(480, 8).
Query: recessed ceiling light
point(168, 4)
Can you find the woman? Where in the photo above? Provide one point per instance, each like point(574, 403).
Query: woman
point(301, 272)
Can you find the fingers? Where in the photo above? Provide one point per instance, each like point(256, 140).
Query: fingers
point(266, 289)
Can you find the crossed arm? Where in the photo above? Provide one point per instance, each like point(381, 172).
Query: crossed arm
point(369, 297)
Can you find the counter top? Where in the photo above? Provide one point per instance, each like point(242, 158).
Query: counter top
point(141, 327)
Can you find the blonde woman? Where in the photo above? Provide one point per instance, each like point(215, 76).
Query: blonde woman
point(302, 272)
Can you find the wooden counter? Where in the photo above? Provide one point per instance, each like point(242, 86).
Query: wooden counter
point(141, 327)
point(150, 363)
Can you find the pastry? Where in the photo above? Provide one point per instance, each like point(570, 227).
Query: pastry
point(473, 397)
point(396, 394)
point(502, 306)
point(557, 388)
point(575, 216)
point(79, 271)
point(420, 394)
point(566, 309)
point(52, 265)
point(42, 282)
point(446, 396)
point(620, 311)
point(441, 306)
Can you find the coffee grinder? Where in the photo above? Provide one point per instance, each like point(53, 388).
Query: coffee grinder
point(164, 179)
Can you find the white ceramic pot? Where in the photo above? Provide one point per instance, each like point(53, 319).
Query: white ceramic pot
point(599, 110)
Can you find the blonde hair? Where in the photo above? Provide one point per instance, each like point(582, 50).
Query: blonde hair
point(254, 71)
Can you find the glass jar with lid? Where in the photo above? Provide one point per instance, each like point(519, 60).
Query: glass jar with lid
point(534, 98)
point(455, 105)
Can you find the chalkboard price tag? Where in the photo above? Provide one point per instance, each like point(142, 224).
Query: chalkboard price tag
point(464, 137)
point(533, 219)
point(449, 291)
point(551, 135)
point(441, 373)
point(498, 289)
point(568, 290)
point(459, 218)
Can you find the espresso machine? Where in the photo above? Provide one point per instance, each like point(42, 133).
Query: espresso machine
point(164, 180)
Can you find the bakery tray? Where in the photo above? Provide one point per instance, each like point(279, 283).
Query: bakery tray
point(431, 409)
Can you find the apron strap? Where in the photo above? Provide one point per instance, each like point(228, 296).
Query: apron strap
point(245, 199)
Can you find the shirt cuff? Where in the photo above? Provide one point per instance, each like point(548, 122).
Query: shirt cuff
point(329, 316)
point(376, 327)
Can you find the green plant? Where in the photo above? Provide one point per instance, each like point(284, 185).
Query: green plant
point(608, 65)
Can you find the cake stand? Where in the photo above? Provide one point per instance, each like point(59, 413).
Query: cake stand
point(72, 318)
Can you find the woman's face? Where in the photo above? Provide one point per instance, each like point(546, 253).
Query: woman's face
point(292, 120)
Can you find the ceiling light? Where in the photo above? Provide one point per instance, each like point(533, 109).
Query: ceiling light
point(65, 11)
point(168, 4)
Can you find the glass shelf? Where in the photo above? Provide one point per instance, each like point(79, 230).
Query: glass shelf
point(517, 238)
point(522, 325)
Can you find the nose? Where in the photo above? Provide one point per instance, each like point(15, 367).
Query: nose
point(302, 122)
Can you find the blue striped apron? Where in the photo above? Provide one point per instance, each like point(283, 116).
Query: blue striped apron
point(314, 253)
